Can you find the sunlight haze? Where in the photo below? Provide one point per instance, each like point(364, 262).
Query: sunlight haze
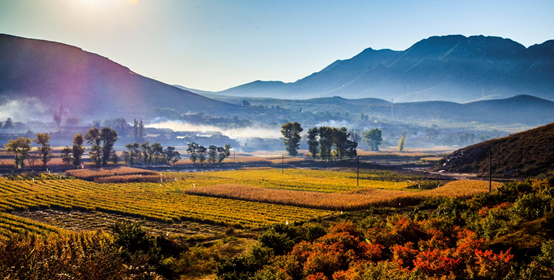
point(215, 45)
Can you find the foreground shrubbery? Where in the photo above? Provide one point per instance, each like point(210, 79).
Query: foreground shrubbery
point(486, 237)
point(77, 256)
point(506, 234)
point(129, 253)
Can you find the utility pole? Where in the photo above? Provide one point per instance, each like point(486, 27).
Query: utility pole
point(357, 171)
point(490, 169)
point(282, 163)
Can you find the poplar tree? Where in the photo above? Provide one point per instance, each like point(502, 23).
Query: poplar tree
point(45, 150)
point(291, 136)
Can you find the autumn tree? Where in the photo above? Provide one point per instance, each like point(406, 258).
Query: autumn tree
point(20, 147)
point(291, 136)
point(78, 150)
point(373, 138)
point(402, 141)
point(45, 150)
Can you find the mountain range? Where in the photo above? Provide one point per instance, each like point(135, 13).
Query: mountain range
point(448, 68)
point(44, 75)
point(41, 76)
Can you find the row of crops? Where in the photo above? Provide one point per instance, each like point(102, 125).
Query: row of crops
point(163, 202)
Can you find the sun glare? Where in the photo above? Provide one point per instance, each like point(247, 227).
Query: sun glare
point(105, 4)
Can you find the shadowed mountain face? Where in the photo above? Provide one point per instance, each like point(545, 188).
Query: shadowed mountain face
point(449, 68)
point(524, 154)
point(88, 85)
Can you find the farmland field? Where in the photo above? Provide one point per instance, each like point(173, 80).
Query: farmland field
point(250, 198)
point(163, 202)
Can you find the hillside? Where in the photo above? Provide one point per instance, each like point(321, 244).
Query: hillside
point(524, 154)
point(449, 68)
point(522, 109)
point(47, 74)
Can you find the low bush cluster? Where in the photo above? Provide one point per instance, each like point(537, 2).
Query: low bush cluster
point(485, 237)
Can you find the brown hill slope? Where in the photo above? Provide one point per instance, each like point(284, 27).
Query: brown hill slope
point(88, 84)
point(524, 154)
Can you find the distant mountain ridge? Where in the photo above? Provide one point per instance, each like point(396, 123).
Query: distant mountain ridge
point(449, 68)
point(88, 85)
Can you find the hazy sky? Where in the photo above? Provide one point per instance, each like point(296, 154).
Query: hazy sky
point(214, 45)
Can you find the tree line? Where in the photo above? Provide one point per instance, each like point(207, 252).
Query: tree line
point(322, 140)
point(101, 151)
point(146, 154)
point(328, 142)
point(212, 154)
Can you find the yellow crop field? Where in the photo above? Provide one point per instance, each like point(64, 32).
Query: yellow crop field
point(342, 201)
point(164, 202)
point(291, 179)
point(10, 224)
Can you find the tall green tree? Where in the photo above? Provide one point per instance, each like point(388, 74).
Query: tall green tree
point(291, 136)
point(157, 152)
point(172, 155)
point(20, 147)
point(135, 130)
point(313, 143)
point(94, 140)
point(212, 153)
point(45, 150)
point(114, 158)
point(223, 152)
point(325, 142)
point(146, 153)
point(141, 131)
point(340, 141)
point(373, 138)
point(201, 151)
point(66, 155)
point(353, 144)
point(192, 149)
point(109, 137)
point(133, 154)
point(78, 150)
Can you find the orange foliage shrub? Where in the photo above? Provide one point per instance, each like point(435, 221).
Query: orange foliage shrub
point(437, 263)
